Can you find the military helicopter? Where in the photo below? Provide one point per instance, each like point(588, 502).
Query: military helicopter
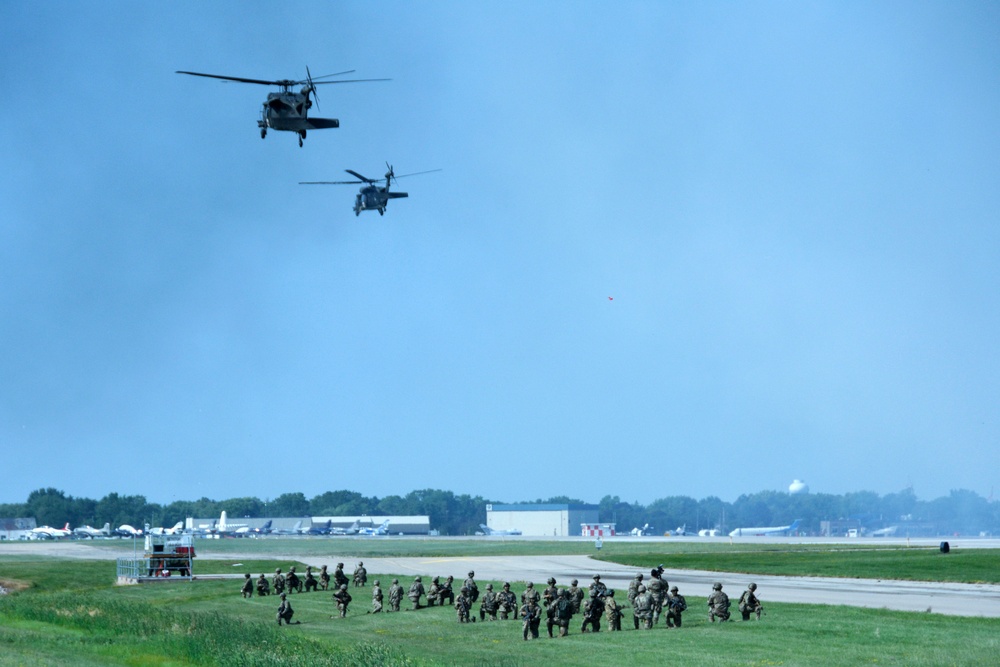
point(372, 197)
point(287, 110)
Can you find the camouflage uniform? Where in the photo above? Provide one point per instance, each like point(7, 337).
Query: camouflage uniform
point(592, 612)
point(263, 588)
point(749, 604)
point(561, 614)
point(434, 592)
point(642, 609)
point(285, 612)
point(576, 595)
point(488, 607)
point(633, 587)
point(718, 604)
point(311, 583)
point(324, 578)
point(506, 602)
point(599, 586)
point(657, 590)
point(675, 604)
point(531, 618)
point(278, 582)
point(376, 598)
point(339, 578)
point(529, 595)
point(342, 598)
point(416, 590)
point(470, 583)
point(612, 612)
point(247, 590)
point(463, 604)
point(550, 594)
point(292, 582)
point(447, 595)
point(395, 595)
point(360, 575)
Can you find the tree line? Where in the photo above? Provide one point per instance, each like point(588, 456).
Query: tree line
point(961, 511)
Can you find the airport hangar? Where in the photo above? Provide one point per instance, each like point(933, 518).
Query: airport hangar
point(541, 520)
point(405, 524)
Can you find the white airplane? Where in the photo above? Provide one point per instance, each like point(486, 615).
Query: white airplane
point(294, 530)
point(176, 530)
point(247, 531)
point(126, 530)
point(680, 530)
point(88, 531)
point(888, 531)
point(708, 532)
point(493, 531)
point(350, 530)
point(375, 532)
point(50, 533)
point(767, 530)
point(226, 528)
point(645, 531)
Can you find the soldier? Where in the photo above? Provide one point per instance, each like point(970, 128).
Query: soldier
point(342, 598)
point(263, 588)
point(531, 617)
point(311, 583)
point(749, 604)
point(470, 583)
point(633, 587)
point(447, 595)
point(376, 599)
point(576, 595)
point(488, 607)
point(278, 582)
point(360, 575)
point(463, 603)
point(597, 585)
point(324, 578)
point(416, 590)
point(562, 613)
point(395, 595)
point(339, 578)
point(657, 590)
point(529, 595)
point(718, 604)
point(550, 594)
point(285, 612)
point(506, 602)
point(612, 612)
point(592, 612)
point(247, 590)
point(676, 604)
point(642, 609)
point(434, 592)
point(292, 582)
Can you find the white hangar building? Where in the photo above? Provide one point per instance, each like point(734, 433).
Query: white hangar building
point(544, 520)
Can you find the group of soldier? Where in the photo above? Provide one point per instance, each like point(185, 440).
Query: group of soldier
point(649, 600)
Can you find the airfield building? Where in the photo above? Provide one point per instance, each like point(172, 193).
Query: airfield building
point(416, 524)
point(543, 520)
point(16, 529)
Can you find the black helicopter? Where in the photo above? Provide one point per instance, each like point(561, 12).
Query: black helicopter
point(372, 197)
point(287, 110)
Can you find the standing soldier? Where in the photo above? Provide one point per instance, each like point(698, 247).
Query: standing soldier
point(576, 595)
point(434, 592)
point(463, 603)
point(592, 612)
point(311, 582)
point(263, 588)
point(342, 598)
point(642, 609)
point(529, 595)
point(598, 586)
point(339, 578)
point(676, 604)
point(360, 575)
point(657, 590)
point(633, 588)
point(376, 598)
point(550, 594)
point(395, 595)
point(531, 617)
point(292, 582)
point(447, 595)
point(562, 613)
point(285, 611)
point(506, 602)
point(278, 582)
point(416, 590)
point(718, 604)
point(488, 607)
point(749, 604)
point(324, 578)
point(612, 612)
point(470, 583)
point(247, 590)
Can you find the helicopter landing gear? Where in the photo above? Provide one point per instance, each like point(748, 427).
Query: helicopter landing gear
point(302, 135)
point(381, 211)
point(263, 132)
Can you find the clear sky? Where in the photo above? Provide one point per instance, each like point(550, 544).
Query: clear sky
point(677, 248)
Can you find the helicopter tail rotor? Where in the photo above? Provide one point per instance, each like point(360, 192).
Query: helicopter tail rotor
point(311, 87)
point(390, 176)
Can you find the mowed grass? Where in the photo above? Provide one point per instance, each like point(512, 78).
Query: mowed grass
point(70, 614)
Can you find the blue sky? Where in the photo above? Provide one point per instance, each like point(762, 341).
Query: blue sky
point(793, 205)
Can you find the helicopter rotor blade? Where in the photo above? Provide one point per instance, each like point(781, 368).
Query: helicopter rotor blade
point(312, 87)
point(363, 178)
point(327, 76)
point(232, 78)
point(415, 173)
point(330, 182)
point(320, 83)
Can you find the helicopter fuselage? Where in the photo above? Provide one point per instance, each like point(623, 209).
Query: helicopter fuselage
point(288, 111)
point(374, 198)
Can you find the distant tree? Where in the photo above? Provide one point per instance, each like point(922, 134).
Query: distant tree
point(327, 504)
point(243, 507)
point(289, 504)
point(51, 507)
point(391, 506)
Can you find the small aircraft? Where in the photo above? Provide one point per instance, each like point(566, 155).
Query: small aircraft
point(176, 530)
point(88, 531)
point(350, 530)
point(888, 531)
point(50, 533)
point(767, 530)
point(372, 197)
point(708, 532)
point(288, 111)
point(645, 531)
point(319, 529)
point(680, 531)
point(493, 531)
point(126, 530)
point(383, 529)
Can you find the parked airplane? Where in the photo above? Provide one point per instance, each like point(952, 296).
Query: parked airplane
point(645, 531)
point(322, 529)
point(493, 531)
point(708, 532)
point(680, 530)
point(126, 530)
point(888, 531)
point(374, 532)
point(350, 530)
point(50, 533)
point(767, 530)
point(294, 530)
point(176, 530)
point(247, 531)
point(226, 528)
point(88, 531)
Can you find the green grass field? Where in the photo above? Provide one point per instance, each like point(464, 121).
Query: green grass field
point(69, 613)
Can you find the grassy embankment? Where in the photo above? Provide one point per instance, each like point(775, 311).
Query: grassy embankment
point(70, 614)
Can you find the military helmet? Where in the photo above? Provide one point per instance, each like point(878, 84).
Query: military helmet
point(416, 578)
point(465, 589)
point(552, 580)
point(575, 582)
point(340, 565)
point(593, 593)
point(395, 581)
point(654, 573)
point(435, 579)
point(530, 585)
point(489, 587)
point(639, 576)
point(611, 592)
point(471, 573)
point(360, 563)
point(451, 578)
point(247, 576)
point(641, 589)
point(291, 569)
point(277, 569)
point(506, 584)
point(343, 587)
point(673, 589)
point(563, 592)
point(282, 596)
point(753, 587)
point(376, 582)
point(717, 586)
point(597, 577)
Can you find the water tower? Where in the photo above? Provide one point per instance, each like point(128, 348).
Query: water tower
point(798, 487)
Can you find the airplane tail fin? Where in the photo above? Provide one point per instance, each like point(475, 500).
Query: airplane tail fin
point(795, 525)
point(107, 528)
point(66, 527)
point(222, 521)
